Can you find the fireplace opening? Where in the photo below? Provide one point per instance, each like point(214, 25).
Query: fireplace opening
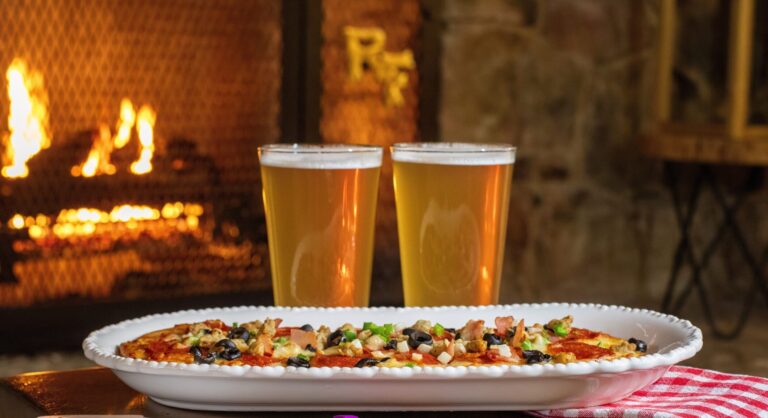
point(129, 181)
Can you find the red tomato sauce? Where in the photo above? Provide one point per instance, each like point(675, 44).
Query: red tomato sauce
point(251, 360)
point(426, 358)
point(335, 361)
point(582, 351)
point(581, 334)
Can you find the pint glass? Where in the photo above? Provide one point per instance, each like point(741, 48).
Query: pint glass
point(320, 204)
point(452, 203)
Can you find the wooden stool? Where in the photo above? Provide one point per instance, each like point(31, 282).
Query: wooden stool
point(703, 153)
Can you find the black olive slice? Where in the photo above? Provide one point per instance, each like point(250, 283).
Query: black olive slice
point(297, 362)
point(230, 354)
point(535, 356)
point(226, 344)
point(640, 345)
point(417, 338)
point(369, 362)
point(492, 339)
point(336, 338)
point(239, 332)
point(307, 327)
point(409, 331)
point(310, 348)
point(200, 358)
point(391, 345)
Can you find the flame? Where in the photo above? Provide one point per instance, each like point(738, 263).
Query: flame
point(99, 160)
point(144, 125)
point(99, 157)
point(125, 124)
point(27, 119)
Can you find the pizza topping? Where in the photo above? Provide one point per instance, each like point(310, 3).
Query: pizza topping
point(369, 362)
point(201, 358)
point(263, 343)
point(503, 325)
point(418, 338)
point(535, 356)
point(226, 349)
point(239, 333)
point(298, 362)
point(492, 339)
point(374, 343)
point(640, 345)
point(476, 346)
point(473, 330)
point(518, 334)
point(560, 327)
point(303, 338)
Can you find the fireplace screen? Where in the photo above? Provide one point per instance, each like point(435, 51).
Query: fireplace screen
point(128, 147)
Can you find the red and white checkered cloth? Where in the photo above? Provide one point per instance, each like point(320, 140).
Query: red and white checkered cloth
point(685, 392)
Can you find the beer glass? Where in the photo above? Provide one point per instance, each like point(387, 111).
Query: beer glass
point(320, 204)
point(452, 202)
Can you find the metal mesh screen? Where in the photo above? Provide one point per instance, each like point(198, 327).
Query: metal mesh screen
point(211, 70)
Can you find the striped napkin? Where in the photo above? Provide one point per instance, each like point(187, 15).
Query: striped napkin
point(685, 392)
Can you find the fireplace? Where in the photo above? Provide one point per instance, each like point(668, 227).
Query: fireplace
point(129, 180)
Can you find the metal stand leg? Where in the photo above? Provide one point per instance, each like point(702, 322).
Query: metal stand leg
point(685, 252)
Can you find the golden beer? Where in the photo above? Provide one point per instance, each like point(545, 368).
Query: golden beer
point(452, 202)
point(320, 204)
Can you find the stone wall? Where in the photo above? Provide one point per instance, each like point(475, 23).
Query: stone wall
point(567, 82)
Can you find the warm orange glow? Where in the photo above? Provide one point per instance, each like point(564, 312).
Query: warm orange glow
point(98, 161)
point(27, 119)
point(99, 157)
point(16, 222)
point(86, 222)
point(145, 124)
point(125, 124)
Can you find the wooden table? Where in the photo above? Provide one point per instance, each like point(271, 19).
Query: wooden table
point(97, 391)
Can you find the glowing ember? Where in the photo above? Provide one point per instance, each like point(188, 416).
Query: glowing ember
point(85, 222)
point(27, 119)
point(144, 125)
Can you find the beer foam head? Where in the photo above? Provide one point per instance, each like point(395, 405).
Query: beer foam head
point(317, 156)
point(454, 153)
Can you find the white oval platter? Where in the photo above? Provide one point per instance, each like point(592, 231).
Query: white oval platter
point(548, 386)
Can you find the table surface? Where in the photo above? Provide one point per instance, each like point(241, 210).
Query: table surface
point(97, 391)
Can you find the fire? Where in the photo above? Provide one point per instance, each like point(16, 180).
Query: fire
point(98, 161)
point(99, 157)
point(125, 124)
point(144, 125)
point(27, 119)
point(120, 220)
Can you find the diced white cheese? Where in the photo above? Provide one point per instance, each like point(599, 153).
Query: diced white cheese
point(378, 354)
point(503, 350)
point(458, 347)
point(402, 346)
point(416, 357)
point(423, 348)
point(444, 358)
point(357, 345)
